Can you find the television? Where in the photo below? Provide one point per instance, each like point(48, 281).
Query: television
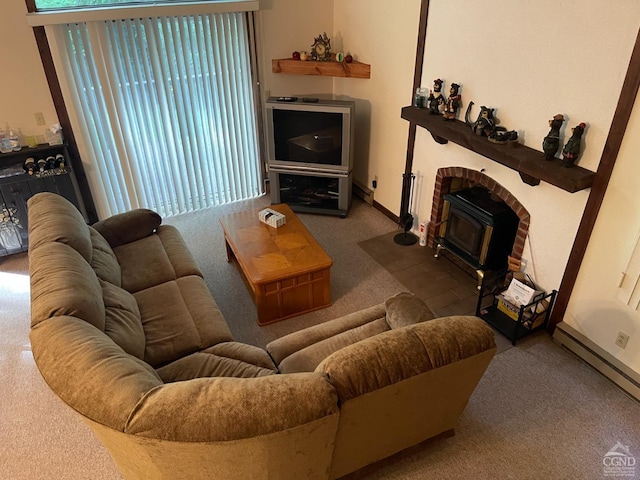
point(304, 135)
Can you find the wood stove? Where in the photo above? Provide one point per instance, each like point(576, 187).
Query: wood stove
point(479, 228)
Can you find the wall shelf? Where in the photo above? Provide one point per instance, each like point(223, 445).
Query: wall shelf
point(529, 163)
point(327, 69)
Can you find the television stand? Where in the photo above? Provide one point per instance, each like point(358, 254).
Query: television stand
point(311, 191)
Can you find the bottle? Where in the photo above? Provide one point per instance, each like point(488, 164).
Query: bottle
point(51, 162)
point(5, 146)
point(423, 234)
point(60, 161)
point(42, 164)
point(14, 141)
point(30, 165)
point(418, 99)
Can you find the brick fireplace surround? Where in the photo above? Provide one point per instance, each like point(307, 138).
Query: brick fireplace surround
point(451, 179)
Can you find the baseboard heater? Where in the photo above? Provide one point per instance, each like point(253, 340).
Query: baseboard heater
point(361, 191)
point(601, 360)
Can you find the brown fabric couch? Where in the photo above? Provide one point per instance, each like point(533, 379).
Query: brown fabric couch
point(125, 332)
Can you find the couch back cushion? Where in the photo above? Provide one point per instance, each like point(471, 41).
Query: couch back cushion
point(128, 227)
point(405, 309)
point(122, 319)
point(103, 260)
point(58, 220)
point(73, 290)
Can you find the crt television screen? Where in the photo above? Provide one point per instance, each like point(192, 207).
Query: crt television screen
point(307, 136)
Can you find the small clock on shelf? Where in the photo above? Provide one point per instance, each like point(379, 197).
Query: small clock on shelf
point(321, 48)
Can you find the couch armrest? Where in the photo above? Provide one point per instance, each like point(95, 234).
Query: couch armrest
point(402, 353)
point(129, 226)
point(290, 344)
point(227, 409)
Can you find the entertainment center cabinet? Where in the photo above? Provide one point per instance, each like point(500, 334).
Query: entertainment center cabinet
point(17, 186)
point(310, 144)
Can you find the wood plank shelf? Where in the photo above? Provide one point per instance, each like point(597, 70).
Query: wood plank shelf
point(327, 69)
point(528, 162)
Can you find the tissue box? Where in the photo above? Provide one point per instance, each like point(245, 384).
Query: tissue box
point(272, 218)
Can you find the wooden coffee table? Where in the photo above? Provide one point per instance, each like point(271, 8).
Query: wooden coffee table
point(285, 269)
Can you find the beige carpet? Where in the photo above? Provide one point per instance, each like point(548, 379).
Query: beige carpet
point(537, 413)
point(357, 280)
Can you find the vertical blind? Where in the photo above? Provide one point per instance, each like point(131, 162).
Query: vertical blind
point(165, 109)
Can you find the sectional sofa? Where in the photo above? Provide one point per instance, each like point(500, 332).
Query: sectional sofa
point(125, 331)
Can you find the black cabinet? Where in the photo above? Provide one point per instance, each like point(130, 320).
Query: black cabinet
point(17, 186)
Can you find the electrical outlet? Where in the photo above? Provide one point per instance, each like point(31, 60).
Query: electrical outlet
point(39, 118)
point(622, 339)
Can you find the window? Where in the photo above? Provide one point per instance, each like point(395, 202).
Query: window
point(73, 4)
point(63, 4)
point(163, 110)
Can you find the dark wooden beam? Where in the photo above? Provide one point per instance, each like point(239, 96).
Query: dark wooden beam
point(63, 114)
point(417, 79)
point(612, 145)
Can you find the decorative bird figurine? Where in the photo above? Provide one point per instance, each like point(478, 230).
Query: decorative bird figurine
point(571, 150)
point(551, 142)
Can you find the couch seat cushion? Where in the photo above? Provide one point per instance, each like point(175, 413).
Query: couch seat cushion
point(228, 359)
point(179, 318)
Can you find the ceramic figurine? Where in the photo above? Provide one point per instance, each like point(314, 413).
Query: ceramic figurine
point(501, 135)
point(435, 99)
point(571, 150)
point(484, 124)
point(453, 103)
point(551, 142)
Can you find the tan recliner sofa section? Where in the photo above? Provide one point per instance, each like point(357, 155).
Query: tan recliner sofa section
point(125, 332)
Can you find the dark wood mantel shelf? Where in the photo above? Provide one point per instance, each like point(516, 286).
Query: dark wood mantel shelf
point(529, 163)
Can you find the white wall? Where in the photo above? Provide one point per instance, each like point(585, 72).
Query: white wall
point(376, 32)
point(529, 64)
point(284, 26)
point(23, 85)
point(593, 308)
point(383, 34)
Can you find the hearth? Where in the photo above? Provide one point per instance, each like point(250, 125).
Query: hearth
point(479, 228)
